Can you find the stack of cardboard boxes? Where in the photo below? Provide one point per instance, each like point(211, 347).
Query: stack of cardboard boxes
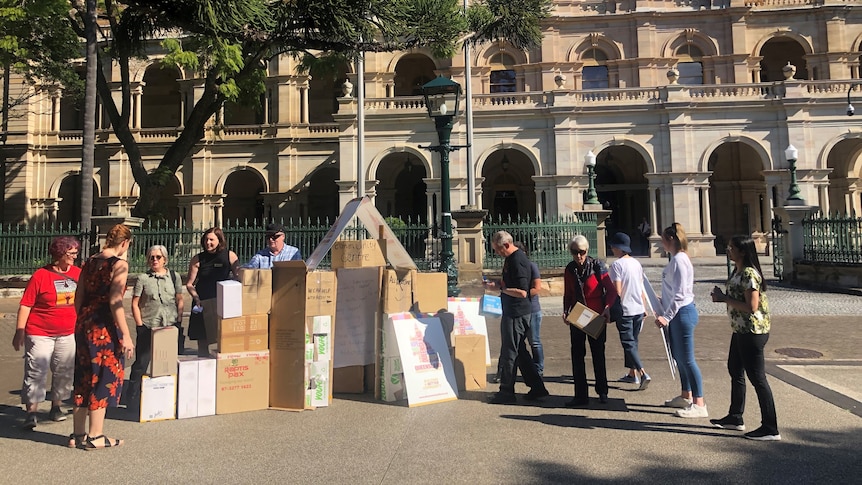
point(159, 386)
point(242, 358)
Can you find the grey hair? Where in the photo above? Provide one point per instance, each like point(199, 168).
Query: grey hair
point(159, 248)
point(501, 237)
point(579, 242)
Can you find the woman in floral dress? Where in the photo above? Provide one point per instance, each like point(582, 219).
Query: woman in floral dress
point(102, 339)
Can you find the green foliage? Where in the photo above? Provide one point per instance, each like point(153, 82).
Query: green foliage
point(395, 223)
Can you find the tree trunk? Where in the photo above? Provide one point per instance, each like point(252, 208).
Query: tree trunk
point(88, 152)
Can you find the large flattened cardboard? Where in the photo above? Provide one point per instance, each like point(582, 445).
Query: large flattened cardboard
point(298, 295)
point(365, 253)
point(429, 292)
point(429, 376)
point(356, 311)
point(469, 321)
point(469, 356)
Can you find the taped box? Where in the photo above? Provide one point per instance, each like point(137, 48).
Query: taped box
point(242, 382)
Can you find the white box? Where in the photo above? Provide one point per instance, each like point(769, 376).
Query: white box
point(158, 398)
point(207, 369)
point(319, 383)
point(196, 389)
point(229, 299)
point(187, 389)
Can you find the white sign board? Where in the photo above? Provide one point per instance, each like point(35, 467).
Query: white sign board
point(468, 321)
point(355, 310)
point(429, 375)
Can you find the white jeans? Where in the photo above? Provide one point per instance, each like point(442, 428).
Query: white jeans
point(42, 354)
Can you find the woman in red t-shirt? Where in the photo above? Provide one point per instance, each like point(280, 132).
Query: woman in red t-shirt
point(46, 327)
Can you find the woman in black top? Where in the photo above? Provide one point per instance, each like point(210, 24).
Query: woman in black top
point(215, 263)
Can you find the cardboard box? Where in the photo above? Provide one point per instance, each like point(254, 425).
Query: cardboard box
point(196, 387)
point(164, 351)
point(320, 378)
point(158, 398)
point(357, 254)
point(392, 380)
point(242, 382)
point(298, 295)
point(322, 340)
point(243, 334)
point(590, 321)
point(350, 379)
point(469, 358)
point(397, 292)
point(256, 291)
point(430, 292)
point(229, 299)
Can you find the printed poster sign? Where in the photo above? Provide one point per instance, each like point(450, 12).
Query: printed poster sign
point(429, 375)
point(468, 321)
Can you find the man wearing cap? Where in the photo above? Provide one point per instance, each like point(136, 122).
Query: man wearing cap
point(275, 250)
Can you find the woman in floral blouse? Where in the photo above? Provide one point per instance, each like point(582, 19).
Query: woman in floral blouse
point(748, 309)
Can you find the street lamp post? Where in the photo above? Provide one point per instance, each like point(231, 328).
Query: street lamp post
point(850, 108)
point(792, 154)
point(442, 99)
point(590, 162)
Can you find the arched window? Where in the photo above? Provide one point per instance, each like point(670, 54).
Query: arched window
point(595, 71)
point(503, 73)
point(690, 66)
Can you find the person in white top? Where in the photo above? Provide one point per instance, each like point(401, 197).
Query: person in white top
point(679, 315)
point(628, 277)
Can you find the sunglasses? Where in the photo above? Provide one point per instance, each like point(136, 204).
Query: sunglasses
point(579, 251)
point(156, 257)
point(73, 254)
point(273, 237)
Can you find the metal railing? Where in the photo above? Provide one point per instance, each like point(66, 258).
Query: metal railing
point(833, 239)
point(547, 241)
point(23, 249)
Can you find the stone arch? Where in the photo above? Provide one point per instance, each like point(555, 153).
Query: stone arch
point(533, 159)
point(54, 190)
point(390, 66)
point(401, 189)
point(422, 155)
point(762, 153)
point(220, 182)
point(242, 199)
point(608, 46)
point(161, 99)
point(645, 154)
point(707, 45)
point(483, 58)
point(823, 157)
point(412, 71)
point(802, 40)
point(508, 183)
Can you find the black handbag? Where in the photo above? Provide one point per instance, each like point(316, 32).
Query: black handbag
point(197, 329)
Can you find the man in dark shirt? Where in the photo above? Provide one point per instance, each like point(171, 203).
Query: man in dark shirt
point(515, 323)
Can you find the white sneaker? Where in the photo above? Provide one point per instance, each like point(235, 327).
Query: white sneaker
point(693, 411)
point(677, 402)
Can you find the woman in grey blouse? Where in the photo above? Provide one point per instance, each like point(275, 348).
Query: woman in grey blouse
point(157, 301)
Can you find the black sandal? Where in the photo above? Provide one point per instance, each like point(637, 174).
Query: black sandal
point(77, 440)
point(108, 442)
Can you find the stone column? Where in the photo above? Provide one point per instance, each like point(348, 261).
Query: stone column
point(102, 224)
point(707, 219)
point(601, 229)
point(470, 245)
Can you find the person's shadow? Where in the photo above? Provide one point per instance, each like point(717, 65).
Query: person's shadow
point(11, 419)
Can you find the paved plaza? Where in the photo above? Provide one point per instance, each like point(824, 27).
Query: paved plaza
point(814, 365)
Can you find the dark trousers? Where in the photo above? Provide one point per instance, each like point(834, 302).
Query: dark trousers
point(514, 355)
point(143, 353)
point(579, 368)
point(746, 357)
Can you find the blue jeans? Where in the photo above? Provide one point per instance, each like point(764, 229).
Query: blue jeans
point(629, 327)
point(535, 340)
point(681, 333)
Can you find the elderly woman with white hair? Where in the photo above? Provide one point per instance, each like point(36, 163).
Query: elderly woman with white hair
point(157, 301)
point(586, 281)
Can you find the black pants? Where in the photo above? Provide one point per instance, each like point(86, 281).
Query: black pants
point(514, 355)
point(579, 367)
point(143, 353)
point(746, 357)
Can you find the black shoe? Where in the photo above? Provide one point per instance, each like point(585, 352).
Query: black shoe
point(56, 414)
point(578, 402)
point(503, 398)
point(536, 394)
point(29, 422)
point(728, 422)
point(603, 398)
point(762, 434)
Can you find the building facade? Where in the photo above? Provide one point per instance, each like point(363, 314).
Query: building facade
point(688, 106)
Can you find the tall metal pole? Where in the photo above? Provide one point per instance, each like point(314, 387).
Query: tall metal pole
point(447, 257)
point(468, 113)
point(360, 125)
